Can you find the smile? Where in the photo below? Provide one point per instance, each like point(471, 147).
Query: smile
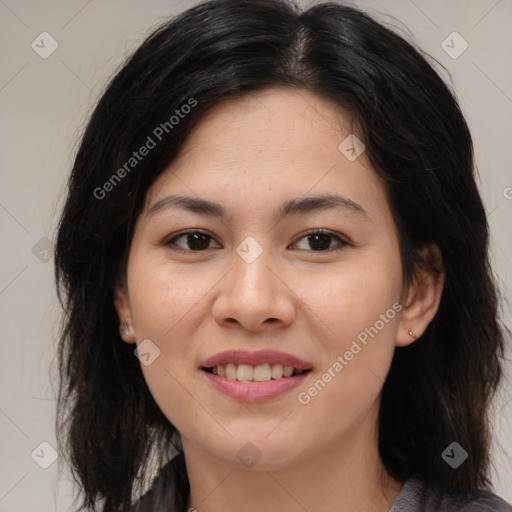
point(259, 373)
point(254, 376)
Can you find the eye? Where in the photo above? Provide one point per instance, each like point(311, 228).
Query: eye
point(196, 241)
point(320, 241)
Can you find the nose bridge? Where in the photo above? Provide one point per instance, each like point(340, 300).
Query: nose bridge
point(252, 292)
point(251, 277)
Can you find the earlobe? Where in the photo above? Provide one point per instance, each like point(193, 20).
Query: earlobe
point(423, 299)
point(122, 305)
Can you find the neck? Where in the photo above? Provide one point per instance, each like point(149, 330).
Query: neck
point(347, 476)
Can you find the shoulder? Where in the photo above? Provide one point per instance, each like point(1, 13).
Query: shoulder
point(481, 501)
point(169, 490)
point(415, 498)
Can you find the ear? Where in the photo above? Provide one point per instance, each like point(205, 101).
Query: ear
point(122, 305)
point(423, 298)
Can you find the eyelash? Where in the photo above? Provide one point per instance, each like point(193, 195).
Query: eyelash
point(171, 242)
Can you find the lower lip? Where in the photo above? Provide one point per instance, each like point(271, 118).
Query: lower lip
point(255, 391)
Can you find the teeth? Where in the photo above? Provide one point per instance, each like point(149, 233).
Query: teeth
point(277, 371)
point(259, 373)
point(262, 373)
point(231, 371)
point(287, 371)
point(244, 372)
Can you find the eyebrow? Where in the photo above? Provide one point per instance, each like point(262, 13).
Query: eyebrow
point(290, 207)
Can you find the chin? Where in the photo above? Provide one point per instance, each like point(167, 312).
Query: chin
point(258, 453)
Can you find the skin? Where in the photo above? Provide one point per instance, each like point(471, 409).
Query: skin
point(251, 155)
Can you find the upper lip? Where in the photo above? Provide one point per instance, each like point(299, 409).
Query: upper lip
point(255, 358)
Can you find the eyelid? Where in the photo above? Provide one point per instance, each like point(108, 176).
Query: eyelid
point(318, 231)
point(169, 240)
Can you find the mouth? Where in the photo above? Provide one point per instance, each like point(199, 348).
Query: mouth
point(255, 376)
point(259, 373)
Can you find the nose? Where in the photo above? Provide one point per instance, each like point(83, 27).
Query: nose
point(255, 296)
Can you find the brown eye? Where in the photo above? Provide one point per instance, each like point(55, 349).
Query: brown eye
point(197, 241)
point(194, 241)
point(320, 241)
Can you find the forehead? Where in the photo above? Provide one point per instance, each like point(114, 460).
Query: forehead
point(269, 123)
point(278, 143)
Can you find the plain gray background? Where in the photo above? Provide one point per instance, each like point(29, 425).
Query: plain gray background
point(44, 104)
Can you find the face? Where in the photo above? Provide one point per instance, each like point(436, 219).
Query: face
point(257, 283)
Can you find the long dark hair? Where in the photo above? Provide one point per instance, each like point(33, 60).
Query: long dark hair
point(438, 389)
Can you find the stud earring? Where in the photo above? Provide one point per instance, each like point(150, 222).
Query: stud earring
point(123, 329)
point(411, 334)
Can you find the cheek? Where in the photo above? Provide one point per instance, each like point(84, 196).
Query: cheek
point(162, 302)
point(361, 309)
point(353, 298)
point(161, 295)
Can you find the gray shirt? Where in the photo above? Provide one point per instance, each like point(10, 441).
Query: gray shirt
point(170, 489)
point(414, 498)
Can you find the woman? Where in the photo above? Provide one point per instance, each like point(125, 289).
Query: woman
point(333, 342)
